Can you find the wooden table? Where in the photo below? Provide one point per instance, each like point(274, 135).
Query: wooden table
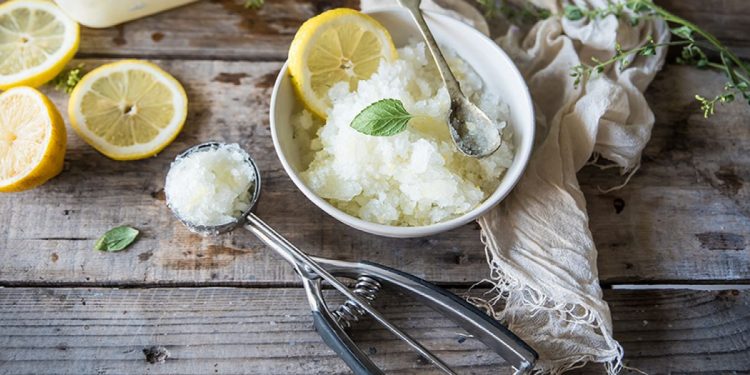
point(226, 305)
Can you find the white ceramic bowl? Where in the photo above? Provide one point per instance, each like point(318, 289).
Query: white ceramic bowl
point(500, 76)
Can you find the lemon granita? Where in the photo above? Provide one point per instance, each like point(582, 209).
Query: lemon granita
point(416, 177)
point(210, 186)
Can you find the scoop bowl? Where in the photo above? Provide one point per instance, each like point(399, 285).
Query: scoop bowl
point(212, 230)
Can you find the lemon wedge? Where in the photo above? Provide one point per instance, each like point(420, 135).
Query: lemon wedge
point(337, 45)
point(128, 110)
point(32, 139)
point(36, 41)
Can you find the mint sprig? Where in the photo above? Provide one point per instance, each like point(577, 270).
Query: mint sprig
point(383, 118)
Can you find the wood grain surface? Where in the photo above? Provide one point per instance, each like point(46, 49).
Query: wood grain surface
point(227, 305)
point(210, 30)
point(269, 331)
point(225, 30)
point(683, 216)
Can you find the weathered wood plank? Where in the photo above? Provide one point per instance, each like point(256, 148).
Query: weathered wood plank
point(223, 29)
point(216, 29)
point(726, 19)
point(687, 209)
point(49, 231)
point(684, 215)
point(268, 331)
point(224, 331)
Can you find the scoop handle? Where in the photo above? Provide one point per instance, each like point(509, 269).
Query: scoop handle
point(487, 330)
point(480, 325)
point(334, 336)
point(308, 268)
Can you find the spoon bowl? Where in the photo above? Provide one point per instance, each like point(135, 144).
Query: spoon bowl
point(473, 133)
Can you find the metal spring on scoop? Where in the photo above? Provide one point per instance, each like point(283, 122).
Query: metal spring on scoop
point(349, 313)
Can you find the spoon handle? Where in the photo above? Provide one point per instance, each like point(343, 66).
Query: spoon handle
point(454, 89)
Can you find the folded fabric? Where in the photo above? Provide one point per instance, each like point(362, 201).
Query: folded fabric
point(541, 254)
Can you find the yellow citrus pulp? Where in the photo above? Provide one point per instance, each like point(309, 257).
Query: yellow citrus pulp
point(36, 41)
point(32, 139)
point(337, 45)
point(128, 110)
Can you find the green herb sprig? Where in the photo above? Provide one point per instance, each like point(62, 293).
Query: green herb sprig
point(624, 58)
point(253, 4)
point(692, 39)
point(383, 118)
point(67, 80)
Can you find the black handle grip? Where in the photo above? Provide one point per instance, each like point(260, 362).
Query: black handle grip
point(335, 337)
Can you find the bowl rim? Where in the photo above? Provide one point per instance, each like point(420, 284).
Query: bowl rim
point(522, 153)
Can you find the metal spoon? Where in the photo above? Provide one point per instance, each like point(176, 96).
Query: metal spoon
point(472, 131)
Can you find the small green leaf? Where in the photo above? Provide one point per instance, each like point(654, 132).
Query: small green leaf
point(637, 6)
point(254, 4)
point(648, 51)
point(726, 98)
point(116, 239)
point(544, 14)
point(67, 80)
point(385, 117)
point(683, 32)
point(573, 12)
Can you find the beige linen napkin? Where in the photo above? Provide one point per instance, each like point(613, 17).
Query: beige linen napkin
point(539, 247)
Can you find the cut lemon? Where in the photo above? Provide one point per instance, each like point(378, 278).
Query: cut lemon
point(337, 45)
point(32, 139)
point(128, 110)
point(36, 41)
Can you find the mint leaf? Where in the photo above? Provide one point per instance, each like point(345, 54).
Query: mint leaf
point(383, 118)
point(116, 239)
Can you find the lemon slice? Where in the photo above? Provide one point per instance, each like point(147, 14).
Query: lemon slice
point(337, 45)
point(32, 139)
point(36, 41)
point(128, 110)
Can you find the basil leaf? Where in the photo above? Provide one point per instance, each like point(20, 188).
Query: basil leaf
point(383, 118)
point(116, 239)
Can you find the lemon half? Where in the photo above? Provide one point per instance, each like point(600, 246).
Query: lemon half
point(337, 45)
point(32, 139)
point(128, 110)
point(36, 41)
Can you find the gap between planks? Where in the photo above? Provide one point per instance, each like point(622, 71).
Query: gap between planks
point(290, 285)
point(178, 57)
